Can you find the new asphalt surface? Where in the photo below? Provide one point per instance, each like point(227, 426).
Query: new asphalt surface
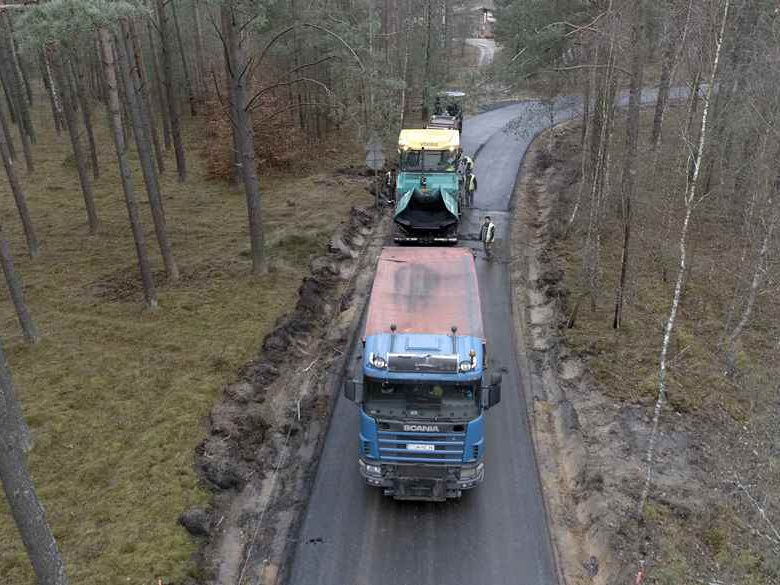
point(496, 534)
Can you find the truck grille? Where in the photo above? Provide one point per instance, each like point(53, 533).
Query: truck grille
point(425, 447)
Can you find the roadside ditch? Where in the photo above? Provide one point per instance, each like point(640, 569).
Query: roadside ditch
point(265, 435)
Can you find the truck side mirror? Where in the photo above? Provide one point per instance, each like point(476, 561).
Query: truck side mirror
point(495, 395)
point(491, 394)
point(353, 390)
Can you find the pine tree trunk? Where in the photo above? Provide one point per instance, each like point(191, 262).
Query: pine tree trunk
point(47, 83)
point(245, 135)
point(60, 71)
point(173, 105)
point(7, 93)
point(142, 133)
point(15, 288)
point(86, 115)
point(150, 291)
point(632, 142)
point(18, 60)
point(6, 130)
point(14, 78)
point(26, 508)
point(19, 198)
point(55, 94)
point(184, 68)
point(159, 88)
point(151, 119)
point(15, 111)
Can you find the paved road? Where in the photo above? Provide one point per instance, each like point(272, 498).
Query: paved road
point(497, 534)
point(487, 50)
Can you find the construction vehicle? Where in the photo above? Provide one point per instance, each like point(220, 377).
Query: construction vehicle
point(448, 111)
point(422, 391)
point(428, 188)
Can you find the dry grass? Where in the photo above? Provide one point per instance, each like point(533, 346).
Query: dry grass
point(115, 395)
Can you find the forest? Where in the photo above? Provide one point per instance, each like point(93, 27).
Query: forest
point(186, 178)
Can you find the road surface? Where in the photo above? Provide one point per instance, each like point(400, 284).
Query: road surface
point(496, 534)
point(487, 50)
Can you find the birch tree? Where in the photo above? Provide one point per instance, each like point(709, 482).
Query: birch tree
point(691, 199)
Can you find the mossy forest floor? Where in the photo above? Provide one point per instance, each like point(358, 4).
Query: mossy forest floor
point(116, 395)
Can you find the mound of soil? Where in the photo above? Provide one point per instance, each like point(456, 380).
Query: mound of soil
point(264, 435)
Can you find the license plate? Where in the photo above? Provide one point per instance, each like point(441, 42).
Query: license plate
point(420, 447)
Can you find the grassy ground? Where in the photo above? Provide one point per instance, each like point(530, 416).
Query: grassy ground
point(733, 422)
point(115, 395)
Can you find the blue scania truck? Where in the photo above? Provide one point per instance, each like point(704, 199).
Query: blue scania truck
point(423, 389)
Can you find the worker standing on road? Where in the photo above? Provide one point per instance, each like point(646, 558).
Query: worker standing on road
point(471, 188)
point(388, 186)
point(488, 236)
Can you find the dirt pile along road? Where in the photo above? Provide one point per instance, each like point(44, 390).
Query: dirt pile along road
point(264, 436)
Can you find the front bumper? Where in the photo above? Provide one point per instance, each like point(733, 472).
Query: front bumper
point(422, 482)
point(402, 239)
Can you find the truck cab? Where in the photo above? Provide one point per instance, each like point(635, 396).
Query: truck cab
point(423, 389)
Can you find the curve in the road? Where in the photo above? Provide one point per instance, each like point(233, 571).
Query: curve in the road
point(497, 534)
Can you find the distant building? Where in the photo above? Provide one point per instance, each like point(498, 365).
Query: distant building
point(485, 20)
point(475, 19)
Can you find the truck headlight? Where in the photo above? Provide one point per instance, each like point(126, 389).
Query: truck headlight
point(471, 472)
point(466, 366)
point(374, 470)
point(378, 361)
point(468, 473)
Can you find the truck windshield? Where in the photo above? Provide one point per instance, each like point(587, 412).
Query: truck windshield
point(423, 400)
point(428, 160)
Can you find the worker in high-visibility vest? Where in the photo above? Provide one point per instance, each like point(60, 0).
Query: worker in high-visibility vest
point(388, 186)
point(488, 236)
point(470, 188)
